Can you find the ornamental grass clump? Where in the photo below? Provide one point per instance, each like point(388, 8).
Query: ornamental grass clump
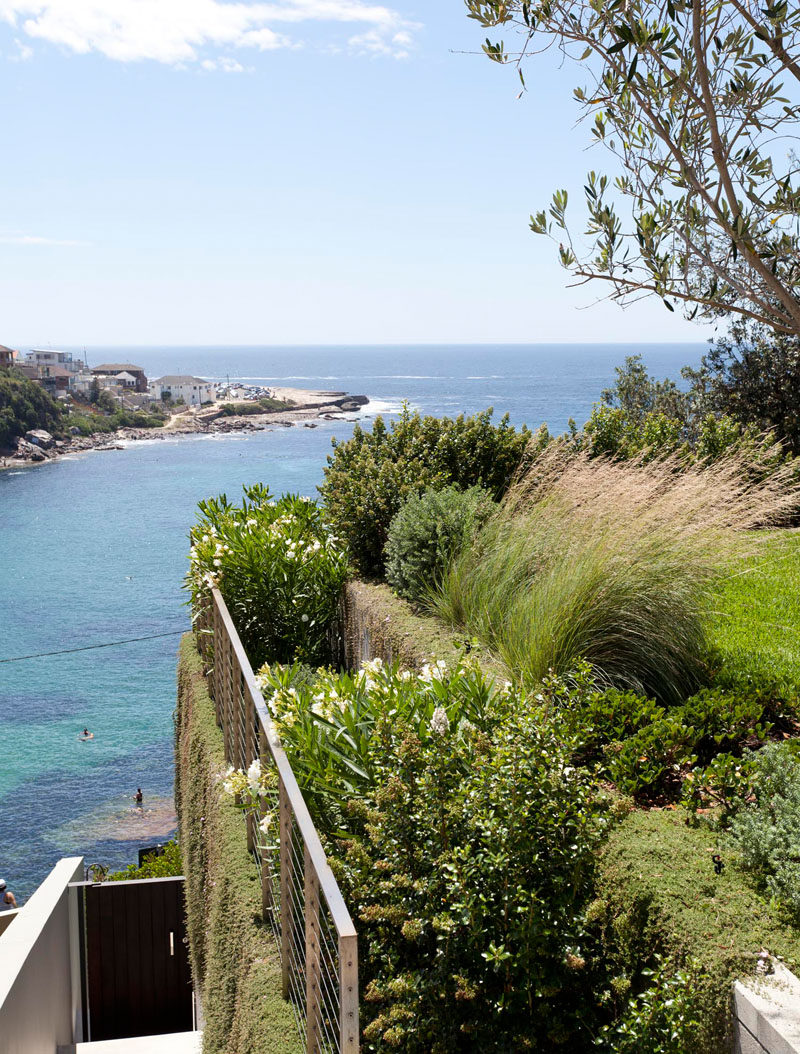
point(279, 569)
point(613, 562)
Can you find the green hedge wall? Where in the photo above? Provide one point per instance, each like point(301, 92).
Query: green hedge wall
point(659, 893)
point(235, 962)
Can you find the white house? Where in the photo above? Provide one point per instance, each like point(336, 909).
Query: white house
point(192, 390)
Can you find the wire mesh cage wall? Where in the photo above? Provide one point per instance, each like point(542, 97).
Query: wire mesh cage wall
point(301, 900)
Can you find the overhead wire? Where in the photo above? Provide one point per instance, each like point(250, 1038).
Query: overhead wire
point(93, 647)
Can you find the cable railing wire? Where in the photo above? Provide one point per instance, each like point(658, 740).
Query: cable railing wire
point(301, 901)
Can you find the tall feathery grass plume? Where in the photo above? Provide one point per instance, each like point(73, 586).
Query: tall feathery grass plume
point(614, 562)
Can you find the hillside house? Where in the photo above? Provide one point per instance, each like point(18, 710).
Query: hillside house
point(113, 369)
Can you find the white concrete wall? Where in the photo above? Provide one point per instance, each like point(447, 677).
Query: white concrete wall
point(767, 1014)
point(36, 985)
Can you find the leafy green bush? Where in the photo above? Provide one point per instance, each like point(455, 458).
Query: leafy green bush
point(278, 568)
point(369, 476)
point(655, 759)
point(464, 838)
point(25, 405)
point(767, 831)
point(427, 532)
point(661, 1019)
point(154, 865)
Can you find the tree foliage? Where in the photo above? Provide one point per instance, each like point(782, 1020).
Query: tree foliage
point(370, 476)
point(24, 405)
point(752, 376)
point(696, 102)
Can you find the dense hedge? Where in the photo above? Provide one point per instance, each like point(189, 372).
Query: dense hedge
point(658, 892)
point(235, 962)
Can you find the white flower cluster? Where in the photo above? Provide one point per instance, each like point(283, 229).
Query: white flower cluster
point(434, 672)
point(440, 722)
point(249, 784)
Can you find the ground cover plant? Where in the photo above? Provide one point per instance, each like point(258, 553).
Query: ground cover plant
point(613, 562)
point(278, 568)
point(369, 476)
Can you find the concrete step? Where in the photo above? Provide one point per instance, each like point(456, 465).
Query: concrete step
point(172, 1043)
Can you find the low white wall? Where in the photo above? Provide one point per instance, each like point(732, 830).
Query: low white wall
point(36, 989)
point(767, 1014)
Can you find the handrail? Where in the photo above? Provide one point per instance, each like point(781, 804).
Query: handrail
point(319, 956)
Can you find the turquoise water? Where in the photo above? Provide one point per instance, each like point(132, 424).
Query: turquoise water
point(93, 549)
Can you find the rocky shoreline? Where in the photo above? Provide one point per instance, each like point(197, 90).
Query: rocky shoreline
point(304, 407)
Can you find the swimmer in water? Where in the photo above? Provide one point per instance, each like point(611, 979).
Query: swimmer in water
point(86, 734)
point(138, 796)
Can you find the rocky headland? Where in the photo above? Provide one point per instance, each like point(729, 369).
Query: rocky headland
point(302, 407)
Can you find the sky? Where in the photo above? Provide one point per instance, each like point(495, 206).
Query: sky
point(287, 172)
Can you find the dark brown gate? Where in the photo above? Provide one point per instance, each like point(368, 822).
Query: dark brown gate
point(138, 981)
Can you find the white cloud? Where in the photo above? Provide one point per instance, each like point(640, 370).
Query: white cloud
point(177, 32)
point(374, 42)
point(33, 239)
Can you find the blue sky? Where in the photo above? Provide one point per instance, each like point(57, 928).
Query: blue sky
point(297, 171)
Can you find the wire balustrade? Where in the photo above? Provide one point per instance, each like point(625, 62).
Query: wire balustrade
point(301, 900)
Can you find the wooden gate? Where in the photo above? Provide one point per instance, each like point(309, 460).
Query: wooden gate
point(137, 976)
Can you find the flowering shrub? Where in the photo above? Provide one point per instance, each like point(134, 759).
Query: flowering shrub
point(462, 837)
point(337, 730)
point(278, 568)
point(249, 789)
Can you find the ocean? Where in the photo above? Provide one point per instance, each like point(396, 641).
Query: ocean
point(93, 550)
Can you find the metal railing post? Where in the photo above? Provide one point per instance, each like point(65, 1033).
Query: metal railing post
point(311, 912)
point(348, 993)
point(285, 811)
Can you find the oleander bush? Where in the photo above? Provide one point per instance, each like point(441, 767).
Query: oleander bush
point(278, 568)
point(369, 476)
point(427, 532)
point(337, 729)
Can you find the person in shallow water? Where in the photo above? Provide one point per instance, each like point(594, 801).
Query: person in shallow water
point(86, 734)
point(138, 796)
point(7, 899)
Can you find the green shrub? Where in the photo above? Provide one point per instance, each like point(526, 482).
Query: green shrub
point(655, 760)
point(337, 729)
point(154, 865)
point(369, 476)
point(471, 879)
point(278, 568)
point(25, 405)
point(661, 1019)
point(767, 831)
point(427, 532)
